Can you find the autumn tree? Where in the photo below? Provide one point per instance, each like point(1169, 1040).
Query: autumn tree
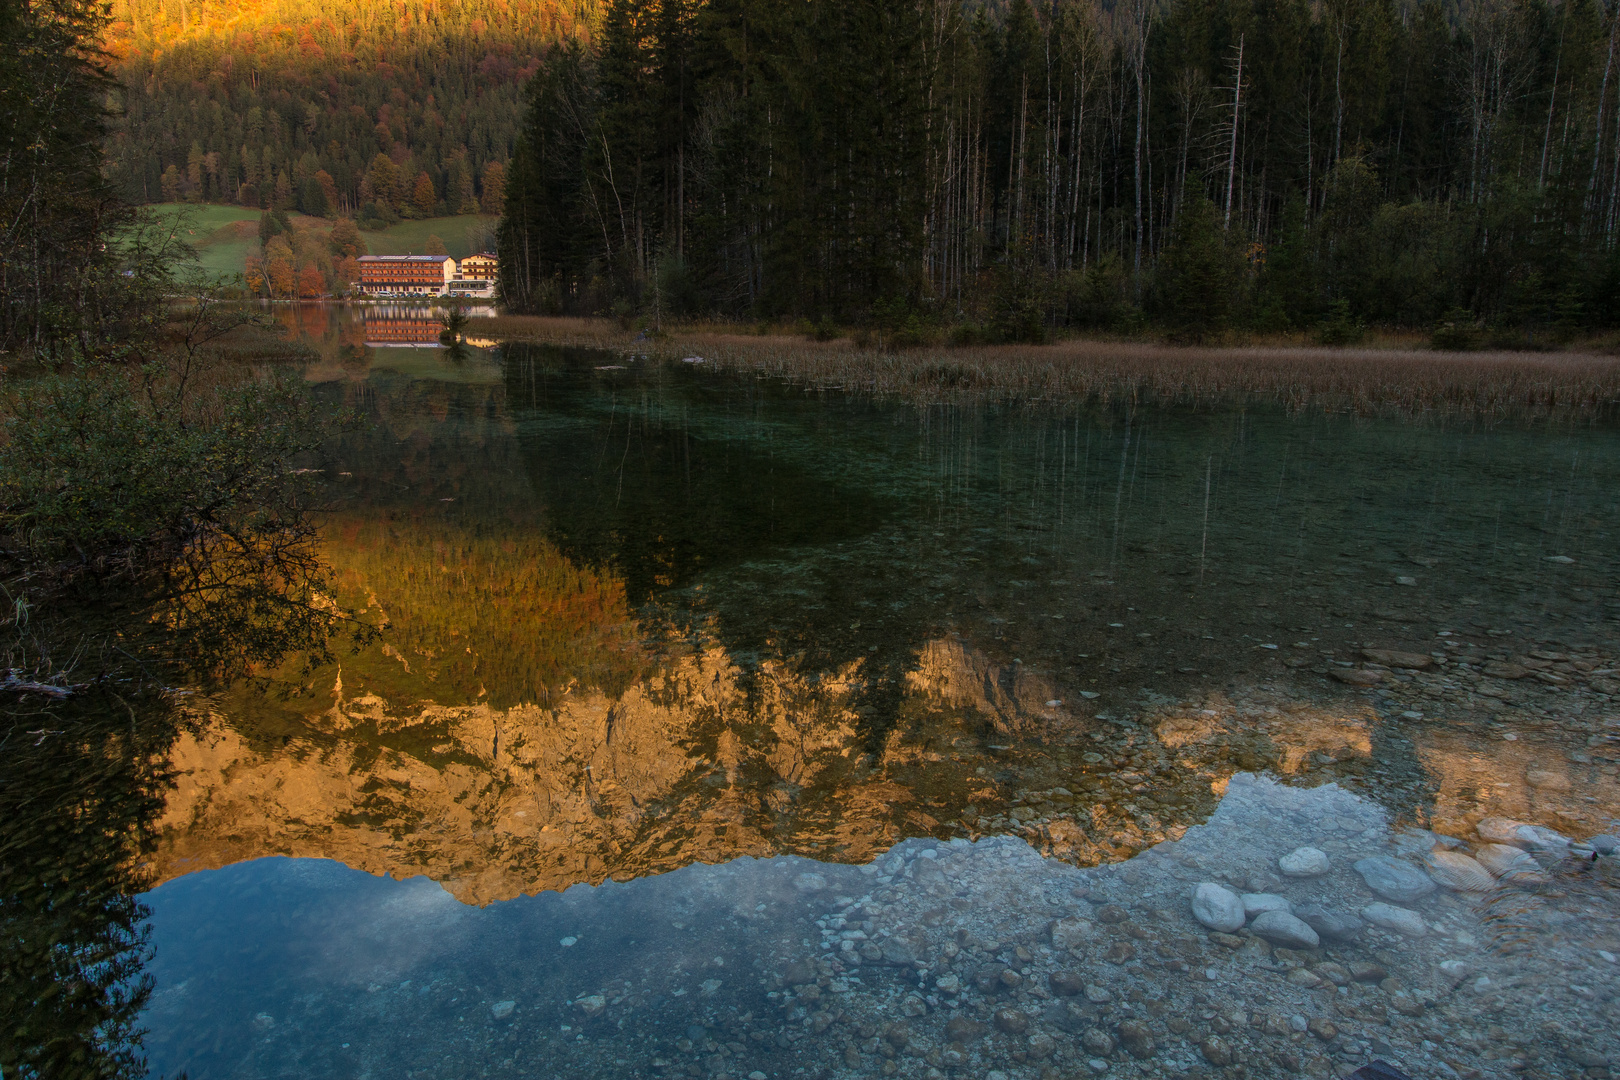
point(345, 238)
point(423, 197)
point(253, 275)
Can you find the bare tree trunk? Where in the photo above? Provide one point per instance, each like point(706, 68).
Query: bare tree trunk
point(1552, 100)
point(1231, 158)
point(1603, 98)
point(1338, 98)
point(1141, 17)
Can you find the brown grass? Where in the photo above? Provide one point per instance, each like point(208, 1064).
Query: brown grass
point(1371, 380)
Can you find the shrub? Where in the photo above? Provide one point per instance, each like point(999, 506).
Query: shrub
point(1340, 327)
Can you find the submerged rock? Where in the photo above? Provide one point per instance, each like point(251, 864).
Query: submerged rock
point(1399, 919)
point(1218, 907)
point(1097, 1041)
point(1070, 933)
point(1011, 1021)
point(1396, 659)
point(1537, 838)
point(1330, 925)
point(1498, 830)
point(1414, 842)
point(1066, 983)
point(1458, 872)
point(1281, 928)
point(1135, 1037)
point(1304, 862)
point(1393, 879)
point(1256, 903)
point(1509, 863)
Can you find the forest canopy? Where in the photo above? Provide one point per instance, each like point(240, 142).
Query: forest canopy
point(365, 109)
point(1279, 164)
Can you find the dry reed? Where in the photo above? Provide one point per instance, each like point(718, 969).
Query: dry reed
point(1408, 381)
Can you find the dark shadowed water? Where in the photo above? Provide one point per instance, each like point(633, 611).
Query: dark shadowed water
point(721, 728)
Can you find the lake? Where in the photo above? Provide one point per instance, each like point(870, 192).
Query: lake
point(720, 727)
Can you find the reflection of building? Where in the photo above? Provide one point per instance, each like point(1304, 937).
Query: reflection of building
point(406, 275)
point(402, 326)
point(411, 325)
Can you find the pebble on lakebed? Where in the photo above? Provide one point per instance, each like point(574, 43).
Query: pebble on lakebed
point(1218, 907)
point(1304, 862)
point(1394, 879)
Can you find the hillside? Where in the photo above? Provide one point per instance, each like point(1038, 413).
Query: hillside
point(384, 110)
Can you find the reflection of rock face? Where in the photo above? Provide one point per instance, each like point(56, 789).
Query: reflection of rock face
point(692, 764)
point(1012, 700)
point(698, 764)
point(1289, 736)
point(505, 801)
point(1523, 779)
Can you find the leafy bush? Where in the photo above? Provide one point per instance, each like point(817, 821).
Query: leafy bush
point(174, 486)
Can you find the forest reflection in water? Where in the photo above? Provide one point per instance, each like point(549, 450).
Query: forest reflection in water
point(636, 618)
point(640, 618)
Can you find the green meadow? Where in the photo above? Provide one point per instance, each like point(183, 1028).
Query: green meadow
point(224, 236)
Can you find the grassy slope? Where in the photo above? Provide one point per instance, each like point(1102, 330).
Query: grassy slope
point(224, 236)
point(410, 237)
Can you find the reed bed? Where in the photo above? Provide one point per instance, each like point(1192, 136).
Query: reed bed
point(1407, 381)
point(587, 333)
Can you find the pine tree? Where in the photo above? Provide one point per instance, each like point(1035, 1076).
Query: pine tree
point(494, 187)
point(1200, 277)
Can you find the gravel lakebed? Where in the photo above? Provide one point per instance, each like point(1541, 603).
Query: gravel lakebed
point(1478, 956)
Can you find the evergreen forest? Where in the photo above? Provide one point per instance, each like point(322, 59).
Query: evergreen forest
point(997, 171)
point(378, 111)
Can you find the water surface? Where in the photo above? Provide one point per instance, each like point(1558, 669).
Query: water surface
point(671, 661)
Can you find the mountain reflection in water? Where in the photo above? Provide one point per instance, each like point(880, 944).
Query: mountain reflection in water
point(940, 956)
point(636, 618)
point(640, 618)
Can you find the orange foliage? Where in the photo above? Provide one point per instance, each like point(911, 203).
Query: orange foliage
point(283, 277)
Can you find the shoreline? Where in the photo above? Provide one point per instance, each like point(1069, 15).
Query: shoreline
point(1361, 380)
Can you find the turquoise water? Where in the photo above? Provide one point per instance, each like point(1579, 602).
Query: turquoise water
point(659, 642)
